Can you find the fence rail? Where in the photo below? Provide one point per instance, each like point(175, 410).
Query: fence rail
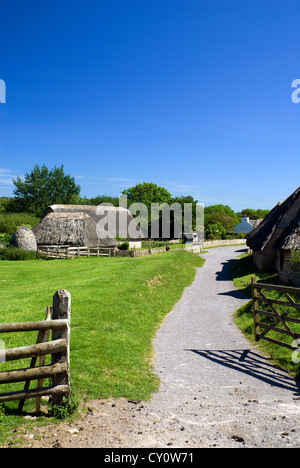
point(278, 320)
point(58, 251)
point(58, 321)
point(62, 251)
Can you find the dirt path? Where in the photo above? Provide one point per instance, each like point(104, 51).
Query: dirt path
point(216, 389)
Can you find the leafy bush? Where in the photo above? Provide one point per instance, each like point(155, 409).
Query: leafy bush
point(5, 239)
point(124, 246)
point(295, 263)
point(295, 256)
point(14, 254)
point(215, 231)
point(11, 221)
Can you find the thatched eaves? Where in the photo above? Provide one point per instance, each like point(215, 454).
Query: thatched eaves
point(121, 217)
point(258, 238)
point(279, 228)
point(255, 222)
point(73, 229)
point(290, 238)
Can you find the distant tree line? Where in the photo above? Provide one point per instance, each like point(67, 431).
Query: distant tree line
point(43, 187)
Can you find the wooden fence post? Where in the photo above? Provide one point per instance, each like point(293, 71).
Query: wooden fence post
point(255, 308)
point(61, 310)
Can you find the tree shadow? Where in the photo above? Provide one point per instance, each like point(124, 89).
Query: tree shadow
point(226, 275)
point(253, 364)
point(236, 293)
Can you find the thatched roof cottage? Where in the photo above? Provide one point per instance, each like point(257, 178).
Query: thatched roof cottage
point(83, 225)
point(276, 237)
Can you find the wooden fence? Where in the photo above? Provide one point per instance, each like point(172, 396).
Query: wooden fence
point(58, 251)
point(279, 320)
point(58, 320)
point(62, 251)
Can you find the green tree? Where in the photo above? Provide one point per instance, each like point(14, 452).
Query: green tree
point(228, 222)
point(148, 193)
point(220, 209)
point(104, 199)
point(3, 204)
point(254, 214)
point(95, 201)
point(43, 187)
point(215, 231)
point(187, 199)
point(219, 220)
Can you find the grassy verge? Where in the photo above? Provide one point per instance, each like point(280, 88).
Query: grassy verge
point(117, 306)
point(242, 271)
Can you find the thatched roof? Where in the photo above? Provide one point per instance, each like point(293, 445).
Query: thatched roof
point(75, 229)
point(255, 222)
point(280, 228)
point(290, 238)
point(121, 217)
point(258, 238)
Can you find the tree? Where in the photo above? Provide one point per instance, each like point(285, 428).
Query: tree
point(220, 209)
point(215, 231)
point(43, 187)
point(148, 193)
point(188, 199)
point(3, 203)
point(219, 220)
point(104, 199)
point(254, 214)
point(228, 222)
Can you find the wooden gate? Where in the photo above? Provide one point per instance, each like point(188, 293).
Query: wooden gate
point(58, 321)
point(280, 313)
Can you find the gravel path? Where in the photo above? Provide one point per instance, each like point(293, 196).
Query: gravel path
point(216, 389)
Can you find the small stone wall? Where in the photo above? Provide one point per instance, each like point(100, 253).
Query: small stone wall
point(215, 243)
point(137, 252)
point(194, 248)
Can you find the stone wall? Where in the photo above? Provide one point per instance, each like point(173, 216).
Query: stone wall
point(288, 272)
point(137, 252)
point(215, 243)
point(265, 260)
point(283, 266)
point(194, 248)
point(295, 274)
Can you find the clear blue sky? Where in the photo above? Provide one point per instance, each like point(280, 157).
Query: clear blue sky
point(193, 95)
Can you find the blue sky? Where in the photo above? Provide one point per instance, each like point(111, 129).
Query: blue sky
point(193, 95)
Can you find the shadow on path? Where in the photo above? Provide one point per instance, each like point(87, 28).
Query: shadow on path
point(225, 275)
point(252, 364)
point(236, 293)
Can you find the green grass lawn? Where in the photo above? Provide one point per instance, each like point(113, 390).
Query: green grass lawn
point(242, 272)
point(118, 305)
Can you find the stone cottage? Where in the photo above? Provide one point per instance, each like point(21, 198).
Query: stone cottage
point(276, 237)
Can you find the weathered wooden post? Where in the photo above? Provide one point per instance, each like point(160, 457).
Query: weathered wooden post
point(61, 311)
point(255, 309)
